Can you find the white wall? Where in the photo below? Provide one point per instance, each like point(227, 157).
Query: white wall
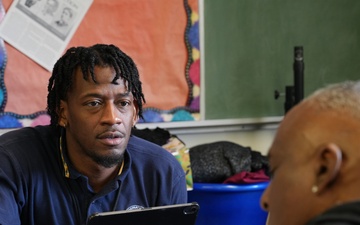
point(258, 140)
point(255, 133)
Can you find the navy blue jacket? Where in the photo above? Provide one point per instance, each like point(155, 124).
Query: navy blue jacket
point(35, 190)
point(343, 214)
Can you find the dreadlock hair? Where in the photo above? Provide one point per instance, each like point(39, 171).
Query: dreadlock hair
point(86, 58)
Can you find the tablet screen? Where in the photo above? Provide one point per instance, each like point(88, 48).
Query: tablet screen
point(180, 214)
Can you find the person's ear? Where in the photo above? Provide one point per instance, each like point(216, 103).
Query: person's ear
point(136, 113)
point(330, 158)
point(62, 114)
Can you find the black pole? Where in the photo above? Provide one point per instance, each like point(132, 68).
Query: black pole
point(298, 74)
point(289, 98)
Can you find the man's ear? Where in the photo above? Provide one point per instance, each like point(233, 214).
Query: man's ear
point(62, 114)
point(330, 158)
point(136, 113)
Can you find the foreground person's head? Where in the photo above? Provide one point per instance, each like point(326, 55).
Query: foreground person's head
point(315, 156)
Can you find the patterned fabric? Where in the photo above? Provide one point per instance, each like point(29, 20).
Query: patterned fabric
point(181, 153)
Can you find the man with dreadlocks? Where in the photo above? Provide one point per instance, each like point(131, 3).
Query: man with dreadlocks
point(86, 160)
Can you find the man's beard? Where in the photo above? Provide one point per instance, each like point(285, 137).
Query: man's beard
point(107, 161)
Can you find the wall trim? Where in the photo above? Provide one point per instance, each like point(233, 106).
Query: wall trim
point(213, 126)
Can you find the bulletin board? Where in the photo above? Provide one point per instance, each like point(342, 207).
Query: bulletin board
point(162, 38)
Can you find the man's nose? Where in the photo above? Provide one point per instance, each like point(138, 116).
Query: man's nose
point(111, 114)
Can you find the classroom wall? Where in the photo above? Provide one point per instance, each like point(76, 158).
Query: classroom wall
point(258, 140)
point(254, 133)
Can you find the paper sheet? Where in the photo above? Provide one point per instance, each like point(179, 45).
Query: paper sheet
point(41, 29)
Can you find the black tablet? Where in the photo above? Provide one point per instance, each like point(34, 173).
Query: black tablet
point(180, 214)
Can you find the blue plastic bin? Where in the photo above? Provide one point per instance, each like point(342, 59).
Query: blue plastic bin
point(224, 204)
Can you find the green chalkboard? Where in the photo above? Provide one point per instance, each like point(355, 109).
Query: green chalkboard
point(249, 48)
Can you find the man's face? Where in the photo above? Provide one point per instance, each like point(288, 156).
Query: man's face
point(66, 15)
point(98, 117)
point(288, 198)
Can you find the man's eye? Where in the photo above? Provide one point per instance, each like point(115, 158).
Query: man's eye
point(93, 104)
point(124, 103)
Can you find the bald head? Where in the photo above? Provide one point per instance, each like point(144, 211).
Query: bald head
point(315, 155)
point(331, 114)
point(342, 98)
